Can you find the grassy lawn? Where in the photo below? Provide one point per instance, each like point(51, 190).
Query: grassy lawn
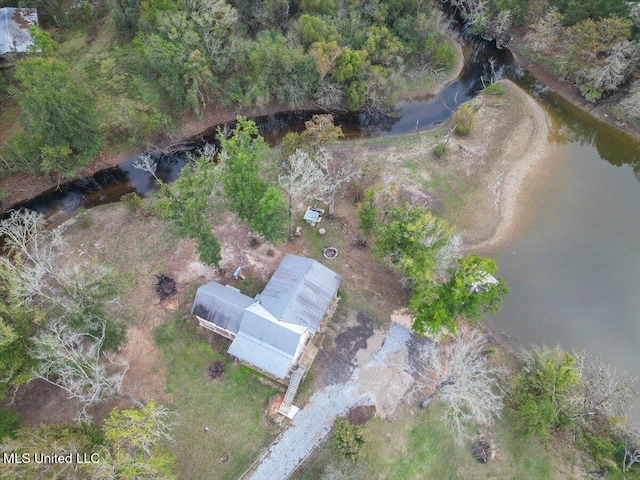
point(233, 406)
point(418, 445)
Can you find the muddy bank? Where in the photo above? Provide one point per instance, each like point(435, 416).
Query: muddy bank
point(23, 186)
point(525, 149)
point(602, 110)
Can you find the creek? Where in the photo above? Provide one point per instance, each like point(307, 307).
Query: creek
point(573, 267)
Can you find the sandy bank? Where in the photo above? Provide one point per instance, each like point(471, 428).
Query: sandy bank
point(525, 148)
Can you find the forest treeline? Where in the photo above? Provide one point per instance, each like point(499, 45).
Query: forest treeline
point(593, 44)
point(115, 74)
point(127, 68)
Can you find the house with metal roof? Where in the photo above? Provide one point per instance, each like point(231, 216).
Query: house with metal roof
point(14, 29)
point(270, 332)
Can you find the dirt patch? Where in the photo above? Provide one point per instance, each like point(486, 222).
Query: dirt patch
point(215, 370)
point(361, 414)
point(335, 363)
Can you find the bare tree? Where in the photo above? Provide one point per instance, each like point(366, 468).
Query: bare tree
point(329, 96)
point(302, 178)
point(74, 361)
point(604, 392)
point(459, 374)
point(631, 451)
point(147, 163)
point(33, 251)
point(70, 347)
point(496, 28)
point(336, 173)
point(630, 106)
point(616, 67)
point(545, 32)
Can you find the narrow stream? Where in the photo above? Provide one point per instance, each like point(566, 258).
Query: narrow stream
point(109, 185)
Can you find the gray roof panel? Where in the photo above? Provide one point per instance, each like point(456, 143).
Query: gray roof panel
point(14, 25)
point(221, 305)
point(270, 332)
point(264, 356)
point(300, 291)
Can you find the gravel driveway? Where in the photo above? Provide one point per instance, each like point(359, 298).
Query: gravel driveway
point(379, 378)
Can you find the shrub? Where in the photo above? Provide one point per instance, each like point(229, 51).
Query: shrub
point(84, 218)
point(495, 89)
point(440, 149)
point(590, 93)
point(133, 202)
point(464, 118)
point(347, 439)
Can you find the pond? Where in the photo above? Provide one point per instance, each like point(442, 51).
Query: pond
point(574, 267)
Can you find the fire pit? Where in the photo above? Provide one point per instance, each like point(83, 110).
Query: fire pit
point(330, 253)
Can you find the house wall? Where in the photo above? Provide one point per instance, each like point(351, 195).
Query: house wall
point(215, 328)
point(304, 340)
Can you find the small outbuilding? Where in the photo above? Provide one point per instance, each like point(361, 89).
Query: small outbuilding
point(14, 29)
point(313, 216)
point(270, 332)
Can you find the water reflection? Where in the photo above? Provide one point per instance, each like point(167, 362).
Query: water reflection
point(572, 125)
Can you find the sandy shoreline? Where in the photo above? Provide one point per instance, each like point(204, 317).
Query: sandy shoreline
point(530, 148)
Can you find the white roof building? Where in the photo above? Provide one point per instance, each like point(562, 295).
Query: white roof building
point(271, 331)
point(14, 29)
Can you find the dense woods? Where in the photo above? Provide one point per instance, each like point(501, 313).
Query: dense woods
point(156, 59)
point(117, 75)
point(592, 44)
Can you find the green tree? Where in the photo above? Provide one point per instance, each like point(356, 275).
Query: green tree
point(313, 29)
point(57, 111)
point(368, 214)
point(543, 391)
point(270, 217)
point(133, 445)
point(175, 52)
point(418, 243)
point(47, 439)
point(348, 439)
point(187, 202)
point(242, 154)
point(471, 290)
point(575, 11)
point(16, 321)
point(251, 197)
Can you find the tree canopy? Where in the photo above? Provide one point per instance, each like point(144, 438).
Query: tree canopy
point(254, 199)
point(58, 112)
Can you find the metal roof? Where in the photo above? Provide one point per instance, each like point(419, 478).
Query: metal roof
point(14, 29)
point(221, 305)
point(260, 354)
point(272, 333)
point(269, 329)
point(300, 291)
point(311, 215)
